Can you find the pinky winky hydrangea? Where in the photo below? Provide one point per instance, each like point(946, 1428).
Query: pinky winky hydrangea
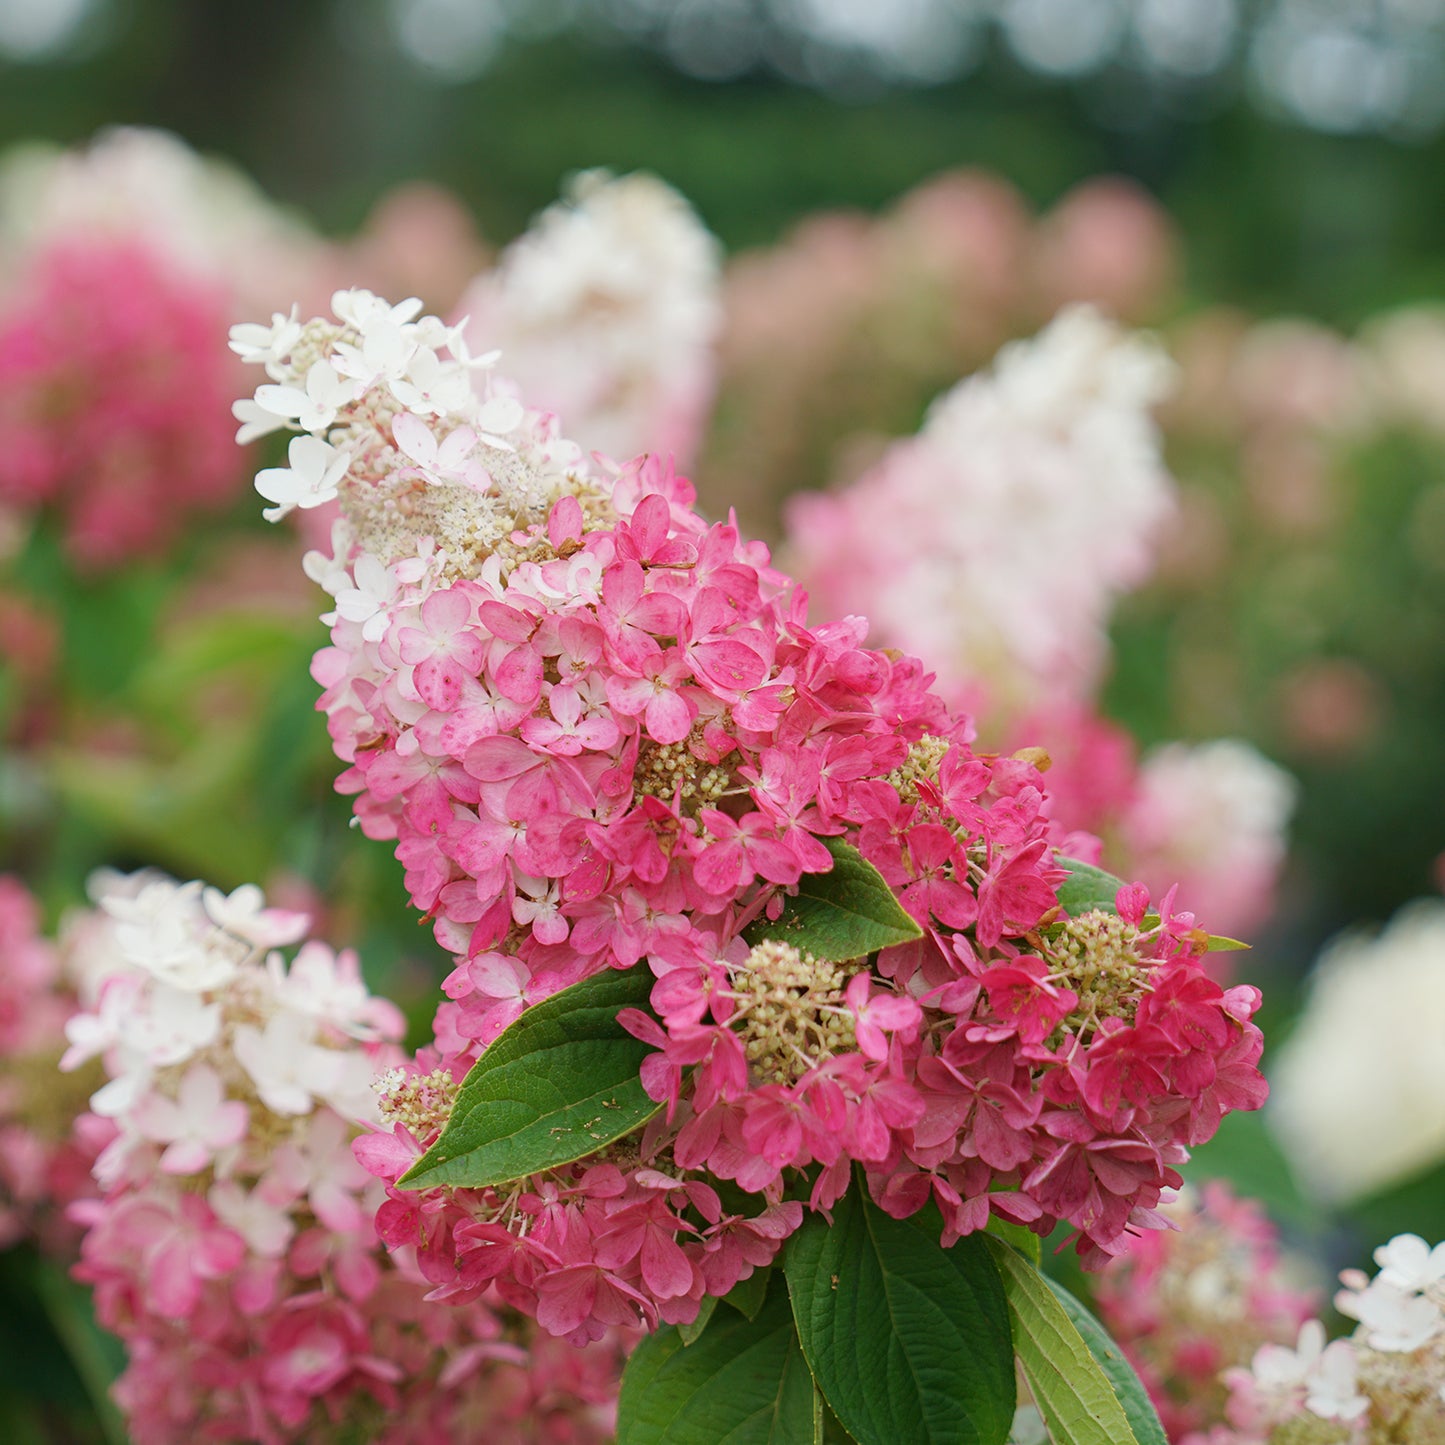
point(609, 746)
point(232, 1245)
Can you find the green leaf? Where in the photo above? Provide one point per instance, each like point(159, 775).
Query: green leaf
point(557, 1085)
point(97, 1355)
point(907, 1340)
point(1138, 1407)
point(748, 1294)
point(1025, 1241)
point(744, 1382)
point(845, 913)
point(1074, 1394)
point(1086, 888)
point(1219, 944)
point(689, 1333)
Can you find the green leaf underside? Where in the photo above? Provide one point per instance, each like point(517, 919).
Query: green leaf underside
point(1086, 888)
point(558, 1084)
point(743, 1382)
point(848, 912)
point(907, 1340)
point(1070, 1387)
point(1138, 1407)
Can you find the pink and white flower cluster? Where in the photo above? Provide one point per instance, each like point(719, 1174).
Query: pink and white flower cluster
point(602, 733)
point(1385, 1383)
point(123, 264)
point(1189, 1302)
point(994, 543)
point(606, 311)
point(233, 1248)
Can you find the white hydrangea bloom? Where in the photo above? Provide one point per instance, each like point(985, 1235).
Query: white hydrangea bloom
point(606, 312)
point(136, 182)
point(1358, 1090)
point(157, 931)
point(993, 544)
point(379, 408)
point(199, 1026)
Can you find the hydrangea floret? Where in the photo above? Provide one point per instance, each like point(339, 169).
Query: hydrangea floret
point(604, 738)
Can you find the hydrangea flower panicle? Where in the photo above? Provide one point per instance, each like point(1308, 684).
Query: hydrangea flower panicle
point(234, 1246)
point(603, 735)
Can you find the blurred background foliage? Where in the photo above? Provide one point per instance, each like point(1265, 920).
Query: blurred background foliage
point(1297, 142)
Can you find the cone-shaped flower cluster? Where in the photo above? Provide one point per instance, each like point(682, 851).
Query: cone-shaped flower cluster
point(122, 264)
point(995, 541)
point(233, 1249)
point(602, 732)
point(606, 311)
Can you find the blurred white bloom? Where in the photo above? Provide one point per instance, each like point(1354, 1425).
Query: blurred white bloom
point(605, 313)
point(195, 1125)
point(156, 931)
point(131, 182)
point(1406, 353)
point(289, 1069)
point(1358, 1097)
point(243, 913)
point(993, 544)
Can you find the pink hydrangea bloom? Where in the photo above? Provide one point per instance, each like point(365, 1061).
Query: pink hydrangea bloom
point(603, 735)
point(115, 397)
point(122, 264)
